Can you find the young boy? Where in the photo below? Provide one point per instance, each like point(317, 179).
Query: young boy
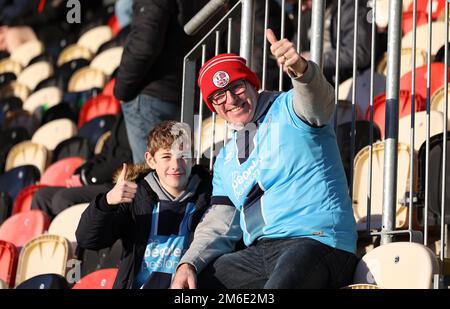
point(155, 216)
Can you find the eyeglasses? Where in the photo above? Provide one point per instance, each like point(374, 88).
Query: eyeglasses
point(236, 88)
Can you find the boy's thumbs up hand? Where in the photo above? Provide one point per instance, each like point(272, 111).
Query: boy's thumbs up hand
point(286, 55)
point(123, 191)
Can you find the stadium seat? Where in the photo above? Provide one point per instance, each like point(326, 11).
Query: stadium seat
point(14, 89)
point(57, 173)
point(99, 105)
point(9, 65)
point(24, 226)
point(5, 206)
point(32, 75)
point(398, 265)
point(95, 37)
point(408, 20)
point(113, 23)
point(420, 132)
point(360, 185)
point(109, 88)
point(14, 180)
point(3, 285)
point(100, 279)
point(77, 99)
point(21, 118)
point(45, 97)
point(362, 129)
point(435, 179)
point(362, 89)
point(9, 104)
point(101, 142)
point(101, 259)
point(94, 128)
point(66, 222)
point(108, 61)
point(8, 262)
point(8, 139)
point(65, 71)
point(45, 254)
point(27, 51)
point(438, 39)
point(73, 147)
point(437, 101)
point(437, 79)
point(44, 282)
point(59, 111)
point(422, 5)
point(54, 132)
point(24, 198)
point(73, 52)
point(27, 152)
point(379, 108)
point(207, 134)
point(7, 77)
point(86, 78)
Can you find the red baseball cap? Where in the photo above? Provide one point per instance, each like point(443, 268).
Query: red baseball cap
point(220, 71)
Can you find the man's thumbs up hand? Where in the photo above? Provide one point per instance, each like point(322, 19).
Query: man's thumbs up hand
point(286, 55)
point(123, 191)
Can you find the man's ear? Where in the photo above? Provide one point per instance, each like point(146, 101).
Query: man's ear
point(150, 160)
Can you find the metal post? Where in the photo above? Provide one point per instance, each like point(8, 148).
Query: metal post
point(266, 25)
point(200, 115)
point(213, 128)
point(372, 75)
point(317, 25)
point(188, 92)
point(336, 78)
point(391, 130)
point(444, 148)
point(280, 72)
point(247, 22)
point(354, 87)
point(299, 25)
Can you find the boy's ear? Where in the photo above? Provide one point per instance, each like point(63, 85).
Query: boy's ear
point(150, 160)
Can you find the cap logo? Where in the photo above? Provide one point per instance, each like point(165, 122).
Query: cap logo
point(221, 79)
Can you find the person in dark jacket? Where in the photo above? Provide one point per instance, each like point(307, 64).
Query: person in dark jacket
point(149, 77)
point(155, 217)
point(91, 178)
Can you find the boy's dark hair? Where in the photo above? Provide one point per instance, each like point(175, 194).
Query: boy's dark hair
point(165, 134)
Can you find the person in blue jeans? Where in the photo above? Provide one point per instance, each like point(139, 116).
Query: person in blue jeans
point(278, 183)
point(149, 77)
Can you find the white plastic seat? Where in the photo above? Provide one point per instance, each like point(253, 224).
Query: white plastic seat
point(219, 135)
point(27, 51)
point(398, 265)
point(420, 132)
point(9, 65)
point(437, 101)
point(45, 254)
point(15, 89)
point(25, 153)
point(72, 52)
point(437, 41)
point(31, 76)
point(95, 37)
point(47, 97)
point(54, 132)
point(360, 184)
point(108, 61)
point(86, 78)
point(66, 222)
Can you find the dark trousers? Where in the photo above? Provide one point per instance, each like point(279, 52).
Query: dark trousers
point(281, 264)
point(53, 200)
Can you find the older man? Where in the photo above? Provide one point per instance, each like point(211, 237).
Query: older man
point(278, 183)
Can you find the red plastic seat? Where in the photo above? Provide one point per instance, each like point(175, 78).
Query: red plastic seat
point(379, 108)
point(422, 5)
point(407, 20)
point(100, 279)
point(437, 79)
point(22, 227)
point(24, 198)
point(113, 23)
point(98, 106)
point(109, 88)
point(57, 173)
point(8, 262)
